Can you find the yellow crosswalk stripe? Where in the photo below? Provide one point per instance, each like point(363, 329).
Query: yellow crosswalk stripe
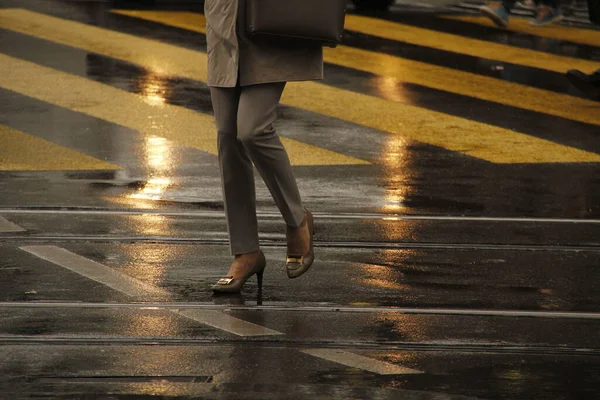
point(464, 45)
point(589, 37)
point(472, 138)
point(134, 111)
point(468, 84)
point(191, 21)
point(475, 139)
point(450, 80)
point(20, 151)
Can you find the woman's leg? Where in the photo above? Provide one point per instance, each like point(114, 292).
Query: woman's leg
point(237, 173)
point(256, 113)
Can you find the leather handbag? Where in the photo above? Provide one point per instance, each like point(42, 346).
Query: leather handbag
point(317, 21)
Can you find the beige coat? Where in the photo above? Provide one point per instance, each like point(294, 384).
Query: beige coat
point(259, 61)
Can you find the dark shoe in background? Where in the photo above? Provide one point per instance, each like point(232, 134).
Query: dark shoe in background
point(588, 84)
point(594, 11)
point(546, 15)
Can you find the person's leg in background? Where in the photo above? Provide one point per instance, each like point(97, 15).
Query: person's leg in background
point(588, 84)
point(499, 12)
point(526, 4)
point(547, 12)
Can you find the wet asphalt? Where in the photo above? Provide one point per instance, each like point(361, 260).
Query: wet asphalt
point(461, 265)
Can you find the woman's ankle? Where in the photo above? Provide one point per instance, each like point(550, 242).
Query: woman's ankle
point(251, 255)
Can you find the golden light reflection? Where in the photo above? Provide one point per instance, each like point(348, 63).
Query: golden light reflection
point(151, 224)
point(389, 276)
point(159, 163)
point(150, 264)
point(153, 89)
point(147, 263)
point(394, 201)
point(385, 284)
point(551, 300)
point(158, 388)
point(154, 325)
point(401, 358)
point(153, 189)
point(158, 153)
point(512, 374)
point(150, 362)
point(394, 159)
point(382, 277)
point(391, 88)
point(394, 154)
point(407, 328)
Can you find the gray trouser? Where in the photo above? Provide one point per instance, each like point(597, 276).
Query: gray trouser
point(244, 118)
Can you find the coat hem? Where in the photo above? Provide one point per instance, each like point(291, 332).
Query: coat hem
point(284, 80)
point(317, 78)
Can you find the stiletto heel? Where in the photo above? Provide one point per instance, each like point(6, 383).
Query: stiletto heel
point(229, 285)
point(298, 265)
point(259, 278)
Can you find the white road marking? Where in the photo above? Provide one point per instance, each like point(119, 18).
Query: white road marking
point(95, 271)
point(217, 319)
point(224, 322)
point(137, 289)
point(356, 361)
point(7, 226)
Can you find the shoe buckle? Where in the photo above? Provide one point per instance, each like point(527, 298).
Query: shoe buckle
point(226, 280)
point(295, 260)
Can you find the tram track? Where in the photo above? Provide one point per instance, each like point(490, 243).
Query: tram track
point(171, 240)
point(279, 342)
point(323, 308)
point(69, 210)
point(207, 233)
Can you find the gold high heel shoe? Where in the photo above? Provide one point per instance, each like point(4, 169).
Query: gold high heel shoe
point(229, 285)
point(296, 265)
